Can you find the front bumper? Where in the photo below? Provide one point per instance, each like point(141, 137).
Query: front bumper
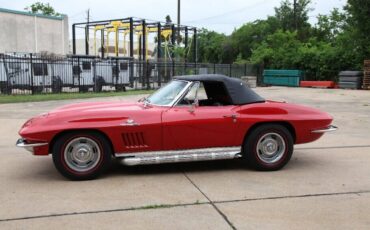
point(330, 128)
point(22, 143)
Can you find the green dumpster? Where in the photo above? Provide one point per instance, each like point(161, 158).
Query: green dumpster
point(282, 77)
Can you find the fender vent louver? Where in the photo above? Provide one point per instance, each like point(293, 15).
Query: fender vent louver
point(134, 140)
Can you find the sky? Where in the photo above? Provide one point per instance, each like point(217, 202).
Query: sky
point(219, 15)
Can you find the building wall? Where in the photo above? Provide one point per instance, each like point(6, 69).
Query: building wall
point(33, 33)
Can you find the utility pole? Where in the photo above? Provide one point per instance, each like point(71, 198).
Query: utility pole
point(87, 33)
point(178, 21)
point(88, 15)
point(295, 14)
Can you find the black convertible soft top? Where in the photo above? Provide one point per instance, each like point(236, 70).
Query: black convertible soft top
point(238, 91)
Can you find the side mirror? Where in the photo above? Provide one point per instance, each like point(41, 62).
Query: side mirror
point(142, 99)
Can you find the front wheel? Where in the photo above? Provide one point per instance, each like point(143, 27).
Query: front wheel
point(268, 147)
point(81, 155)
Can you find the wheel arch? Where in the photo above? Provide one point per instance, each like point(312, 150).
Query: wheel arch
point(64, 132)
point(285, 124)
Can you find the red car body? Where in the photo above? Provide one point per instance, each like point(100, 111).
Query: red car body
point(163, 128)
point(143, 127)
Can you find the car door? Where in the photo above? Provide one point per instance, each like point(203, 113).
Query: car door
point(192, 126)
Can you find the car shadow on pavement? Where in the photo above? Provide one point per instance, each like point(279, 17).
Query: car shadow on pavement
point(204, 166)
point(45, 170)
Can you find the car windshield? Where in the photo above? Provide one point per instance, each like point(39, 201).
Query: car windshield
point(167, 94)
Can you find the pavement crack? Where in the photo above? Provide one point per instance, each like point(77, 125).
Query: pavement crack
point(293, 196)
point(334, 147)
point(211, 202)
point(147, 207)
point(165, 206)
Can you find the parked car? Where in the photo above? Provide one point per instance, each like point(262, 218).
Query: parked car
point(193, 118)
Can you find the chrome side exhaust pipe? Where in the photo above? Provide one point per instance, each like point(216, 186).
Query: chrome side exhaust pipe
point(177, 157)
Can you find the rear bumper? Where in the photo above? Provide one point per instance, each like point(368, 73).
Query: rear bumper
point(330, 128)
point(22, 143)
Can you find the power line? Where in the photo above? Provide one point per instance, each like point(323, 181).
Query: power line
point(230, 12)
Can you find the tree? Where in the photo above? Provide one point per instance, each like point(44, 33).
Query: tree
point(294, 18)
point(41, 8)
point(168, 20)
point(250, 35)
point(359, 27)
point(328, 27)
point(279, 50)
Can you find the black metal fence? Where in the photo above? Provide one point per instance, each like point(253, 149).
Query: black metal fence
point(35, 74)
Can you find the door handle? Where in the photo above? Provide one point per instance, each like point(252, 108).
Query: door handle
point(233, 116)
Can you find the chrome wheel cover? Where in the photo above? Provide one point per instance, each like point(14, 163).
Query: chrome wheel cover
point(82, 154)
point(270, 148)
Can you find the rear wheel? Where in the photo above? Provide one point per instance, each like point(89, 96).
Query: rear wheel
point(81, 155)
point(37, 89)
point(57, 85)
point(120, 88)
point(268, 147)
point(98, 84)
point(84, 89)
point(6, 89)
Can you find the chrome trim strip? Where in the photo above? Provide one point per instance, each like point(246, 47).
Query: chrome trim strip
point(161, 157)
point(21, 143)
point(236, 149)
point(330, 128)
point(182, 93)
point(130, 122)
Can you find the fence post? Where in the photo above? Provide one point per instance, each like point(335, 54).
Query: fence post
point(245, 69)
point(148, 73)
point(230, 70)
point(7, 76)
point(173, 69)
point(79, 74)
point(214, 68)
point(31, 70)
point(117, 75)
point(159, 74)
point(95, 79)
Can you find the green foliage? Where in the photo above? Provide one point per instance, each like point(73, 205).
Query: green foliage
point(41, 8)
point(339, 41)
point(250, 35)
point(330, 26)
point(294, 21)
point(211, 46)
point(359, 26)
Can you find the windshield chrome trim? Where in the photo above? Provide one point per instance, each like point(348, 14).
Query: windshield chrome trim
point(182, 92)
point(186, 92)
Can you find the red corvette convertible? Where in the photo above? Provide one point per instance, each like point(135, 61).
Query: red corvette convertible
point(192, 118)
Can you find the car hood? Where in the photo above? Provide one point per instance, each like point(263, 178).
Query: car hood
point(93, 108)
point(100, 115)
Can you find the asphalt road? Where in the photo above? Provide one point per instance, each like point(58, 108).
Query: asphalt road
point(325, 186)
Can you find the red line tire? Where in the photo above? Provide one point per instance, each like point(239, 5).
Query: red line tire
point(82, 155)
point(269, 147)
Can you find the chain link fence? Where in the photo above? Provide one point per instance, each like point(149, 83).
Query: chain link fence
point(37, 73)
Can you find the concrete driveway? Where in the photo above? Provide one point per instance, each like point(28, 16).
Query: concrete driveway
point(326, 185)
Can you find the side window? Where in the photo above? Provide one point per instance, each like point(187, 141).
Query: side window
point(86, 65)
point(197, 91)
point(123, 65)
point(40, 69)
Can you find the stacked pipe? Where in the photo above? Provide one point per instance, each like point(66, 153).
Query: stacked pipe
point(366, 79)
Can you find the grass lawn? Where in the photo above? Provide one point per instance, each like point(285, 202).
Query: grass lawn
point(65, 96)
